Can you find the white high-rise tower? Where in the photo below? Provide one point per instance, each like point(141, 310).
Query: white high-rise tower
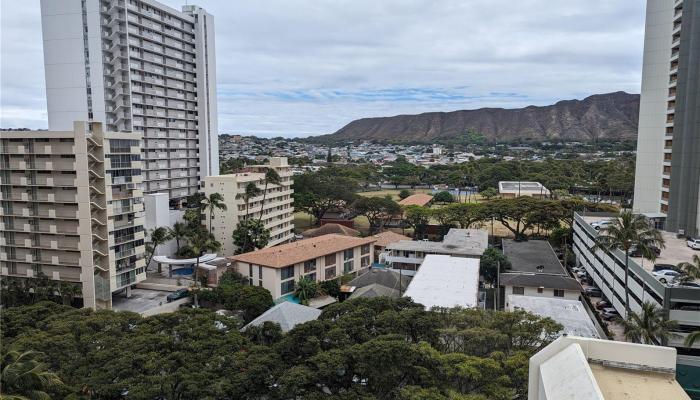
point(138, 66)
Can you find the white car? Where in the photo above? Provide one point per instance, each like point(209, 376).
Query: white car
point(694, 243)
point(665, 275)
point(601, 224)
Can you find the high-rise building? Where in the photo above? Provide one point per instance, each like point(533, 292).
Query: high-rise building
point(668, 151)
point(275, 207)
point(72, 209)
point(137, 65)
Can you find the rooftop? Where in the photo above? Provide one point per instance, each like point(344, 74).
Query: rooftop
point(387, 237)
point(419, 199)
point(308, 249)
point(330, 228)
point(570, 313)
point(579, 368)
point(456, 242)
point(548, 281)
point(375, 290)
point(522, 187)
point(444, 281)
point(527, 256)
point(389, 278)
point(287, 314)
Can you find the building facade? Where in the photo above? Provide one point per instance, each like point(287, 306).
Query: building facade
point(319, 259)
point(668, 163)
point(410, 254)
point(137, 66)
point(72, 209)
point(277, 210)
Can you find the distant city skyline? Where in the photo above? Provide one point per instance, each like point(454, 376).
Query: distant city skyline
point(308, 68)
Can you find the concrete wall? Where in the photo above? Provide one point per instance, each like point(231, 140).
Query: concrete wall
point(532, 291)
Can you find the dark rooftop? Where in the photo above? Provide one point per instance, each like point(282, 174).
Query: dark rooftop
point(539, 280)
point(528, 255)
point(383, 277)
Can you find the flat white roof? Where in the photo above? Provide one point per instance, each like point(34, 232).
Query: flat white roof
point(445, 281)
point(570, 313)
point(522, 187)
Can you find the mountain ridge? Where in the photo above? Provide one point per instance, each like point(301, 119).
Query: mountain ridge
point(607, 116)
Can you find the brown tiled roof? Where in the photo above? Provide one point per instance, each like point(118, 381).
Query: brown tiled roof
point(388, 237)
point(327, 229)
point(307, 249)
point(419, 199)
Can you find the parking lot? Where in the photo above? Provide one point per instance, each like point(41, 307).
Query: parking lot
point(608, 318)
point(144, 301)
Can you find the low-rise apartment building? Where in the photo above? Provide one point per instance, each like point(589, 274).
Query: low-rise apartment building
point(409, 254)
point(72, 209)
point(320, 258)
point(277, 210)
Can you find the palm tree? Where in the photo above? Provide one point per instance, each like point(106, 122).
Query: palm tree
point(627, 231)
point(692, 338)
point(69, 291)
point(158, 237)
point(178, 232)
point(251, 190)
point(650, 326)
point(24, 377)
point(214, 201)
point(690, 270)
point(201, 241)
point(305, 289)
point(271, 177)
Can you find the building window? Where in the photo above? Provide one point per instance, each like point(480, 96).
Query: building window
point(349, 254)
point(330, 272)
point(364, 262)
point(558, 293)
point(330, 259)
point(312, 276)
point(364, 249)
point(309, 266)
point(287, 287)
point(540, 289)
point(348, 266)
point(259, 271)
point(287, 272)
point(518, 290)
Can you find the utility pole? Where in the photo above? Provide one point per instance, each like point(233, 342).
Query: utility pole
point(498, 284)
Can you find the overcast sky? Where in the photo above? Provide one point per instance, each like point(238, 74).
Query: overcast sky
point(300, 68)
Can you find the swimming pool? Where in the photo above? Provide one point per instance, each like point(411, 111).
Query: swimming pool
point(183, 271)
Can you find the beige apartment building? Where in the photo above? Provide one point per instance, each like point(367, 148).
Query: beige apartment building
point(72, 208)
point(320, 259)
point(277, 211)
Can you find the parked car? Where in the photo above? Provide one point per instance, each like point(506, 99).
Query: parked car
point(593, 292)
point(601, 224)
point(637, 252)
point(601, 304)
point(694, 243)
point(176, 295)
point(660, 267)
point(665, 275)
point(609, 313)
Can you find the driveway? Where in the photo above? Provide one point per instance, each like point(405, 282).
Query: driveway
point(146, 302)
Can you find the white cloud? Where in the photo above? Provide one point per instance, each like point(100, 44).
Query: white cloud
point(297, 68)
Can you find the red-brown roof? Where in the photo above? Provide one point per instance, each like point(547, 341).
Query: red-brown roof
point(419, 199)
point(388, 237)
point(307, 249)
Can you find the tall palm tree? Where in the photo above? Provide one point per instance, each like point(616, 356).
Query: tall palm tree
point(271, 177)
point(690, 270)
point(69, 291)
point(213, 202)
point(178, 232)
point(305, 289)
point(201, 241)
point(251, 190)
point(158, 237)
point(650, 326)
point(23, 377)
point(692, 338)
point(627, 231)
